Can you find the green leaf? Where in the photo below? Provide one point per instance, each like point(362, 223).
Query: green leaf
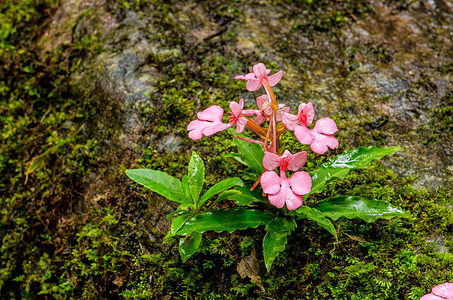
point(195, 176)
point(237, 157)
point(220, 187)
point(178, 222)
point(242, 195)
point(315, 215)
point(187, 201)
point(225, 220)
point(226, 195)
point(252, 154)
point(245, 197)
point(357, 207)
point(276, 238)
point(340, 166)
point(189, 244)
point(159, 182)
point(250, 175)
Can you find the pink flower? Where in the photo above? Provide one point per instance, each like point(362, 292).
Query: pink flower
point(305, 116)
point(286, 160)
point(282, 190)
point(256, 79)
point(320, 137)
point(443, 291)
point(237, 118)
point(209, 122)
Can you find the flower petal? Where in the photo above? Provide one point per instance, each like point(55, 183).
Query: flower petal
point(270, 182)
point(444, 290)
point(209, 122)
point(282, 109)
point(214, 128)
point(270, 161)
point(298, 161)
point(318, 145)
point(274, 79)
point(253, 84)
point(301, 183)
point(236, 108)
point(290, 121)
point(260, 70)
point(306, 113)
point(261, 99)
point(259, 119)
point(240, 124)
point(431, 297)
point(293, 201)
point(326, 126)
point(279, 199)
point(285, 159)
point(195, 129)
point(286, 156)
point(303, 134)
point(212, 113)
point(246, 76)
point(249, 112)
point(322, 141)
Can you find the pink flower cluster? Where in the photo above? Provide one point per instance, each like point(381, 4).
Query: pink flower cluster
point(280, 189)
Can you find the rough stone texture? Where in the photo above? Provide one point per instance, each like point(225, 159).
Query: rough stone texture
point(438, 242)
point(380, 76)
point(385, 67)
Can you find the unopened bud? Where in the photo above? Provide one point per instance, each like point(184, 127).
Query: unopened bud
point(266, 109)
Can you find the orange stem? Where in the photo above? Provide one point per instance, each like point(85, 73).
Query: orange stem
point(256, 128)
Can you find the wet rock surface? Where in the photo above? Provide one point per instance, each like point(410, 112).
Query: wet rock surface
point(383, 74)
point(382, 70)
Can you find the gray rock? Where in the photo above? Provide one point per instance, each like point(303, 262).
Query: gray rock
point(386, 66)
point(438, 242)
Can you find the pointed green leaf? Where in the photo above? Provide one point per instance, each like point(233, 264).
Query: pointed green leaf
point(189, 244)
point(242, 195)
point(220, 187)
point(187, 201)
point(245, 196)
point(252, 154)
point(315, 215)
point(276, 238)
point(252, 176)
point(226, 220)
point(195, 176)
point(159, 182)
point(226, 195)
point(34, 164)
point(357, 207)
point(237, 157)
point(178, 222)
point(340, 166)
